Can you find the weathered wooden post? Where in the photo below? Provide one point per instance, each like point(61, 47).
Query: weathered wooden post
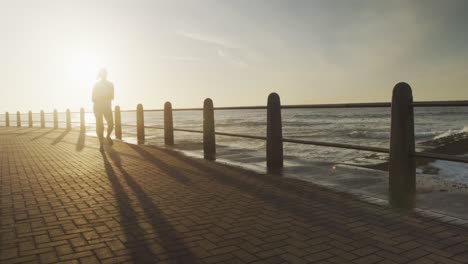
point(18, 119)
point(140, 124)
point(30, 119)
point(402, 170)
point(118, 123)
point(7, 119)
point(209, 139)
point(55, 119)
point(82, 121)
point(168, 124)
point(274, 134)
point(42, 119)
point(68, 117)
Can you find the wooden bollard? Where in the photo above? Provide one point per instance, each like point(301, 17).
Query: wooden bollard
point(209, 137)
point(7, 119)
point(140, 124)
point(274, 134)
point(18, 119)
point(118, 122)
point(55, 119)
point(168, 124)
point(82, 121)
point(30, 119)
point(68, 121)
point(402, 170)
point(42, 119)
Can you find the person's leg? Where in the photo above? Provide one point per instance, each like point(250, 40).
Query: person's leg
point(99, 126)
point(110, 124)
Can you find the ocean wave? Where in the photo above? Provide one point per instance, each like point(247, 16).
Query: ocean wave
point(248, 124)
point(451, 132)
point(368, 134)
point(386, 135)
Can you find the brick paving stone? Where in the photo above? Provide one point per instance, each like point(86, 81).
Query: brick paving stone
point(369, 259)
point(62, 200)
point(50, 257)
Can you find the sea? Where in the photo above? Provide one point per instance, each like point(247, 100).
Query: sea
point(359, 126)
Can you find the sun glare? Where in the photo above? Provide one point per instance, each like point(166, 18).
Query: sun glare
point(83, 67)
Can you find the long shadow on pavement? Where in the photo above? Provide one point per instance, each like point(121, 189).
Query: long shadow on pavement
point(289, 197)
point(30, 130)
point(43, 134)
point(60, 137)
point(168, 237)
point(80, 143)
point(178, 174)
point(128, 219)
point(14, 132)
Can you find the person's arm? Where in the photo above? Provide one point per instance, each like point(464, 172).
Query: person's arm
point(112, 92)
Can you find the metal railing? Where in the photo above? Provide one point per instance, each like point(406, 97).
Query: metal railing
point(402, 141)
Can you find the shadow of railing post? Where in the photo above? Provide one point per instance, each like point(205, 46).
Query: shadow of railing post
point(209, 139)
point(168, 125)
point(82, 121)
point(55, 119)
point(140, 124)
point(42, 119)
point(18, 119)
point(274, 134)
point(7, 119)
point(80, 144)
point(30, 119)
point(68, 119)
point(402, 171)
point(118, 122)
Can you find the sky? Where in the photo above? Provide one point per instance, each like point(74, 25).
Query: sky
point(235, 52)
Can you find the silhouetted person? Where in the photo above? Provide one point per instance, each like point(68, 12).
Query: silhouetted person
point(103, 94)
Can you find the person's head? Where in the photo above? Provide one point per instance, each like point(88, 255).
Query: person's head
point(102, 75)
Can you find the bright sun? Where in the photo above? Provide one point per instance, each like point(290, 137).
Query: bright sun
point(83, 67)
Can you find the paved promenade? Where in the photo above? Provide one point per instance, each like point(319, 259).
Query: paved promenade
point(64, 201)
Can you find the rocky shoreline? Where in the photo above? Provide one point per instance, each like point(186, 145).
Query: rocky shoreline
point(456, 144)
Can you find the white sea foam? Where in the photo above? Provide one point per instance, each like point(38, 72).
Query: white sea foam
point(386, 135)
point(451, 132)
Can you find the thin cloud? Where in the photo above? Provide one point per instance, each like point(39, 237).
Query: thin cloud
point(182, 58)
point(209, 39)
point(226, 50)
point(232, 59)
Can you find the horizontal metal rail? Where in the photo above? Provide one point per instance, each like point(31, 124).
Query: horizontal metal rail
point(188, 130)
point(240, 135)
point(154, 127)
point(298, 141)
point(440, 157)
point(336, 145)
point(440, 103)
point(126, 111)
point(302, 106)
point(311, 106)
point(347, 105)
